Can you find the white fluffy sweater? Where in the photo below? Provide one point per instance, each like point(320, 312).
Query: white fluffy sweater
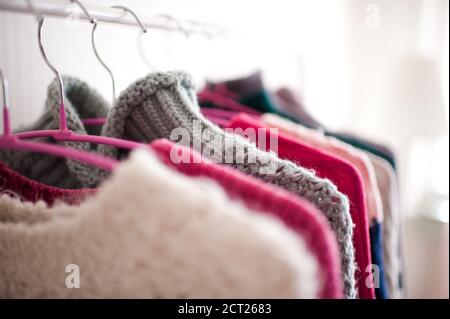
point(150, 232)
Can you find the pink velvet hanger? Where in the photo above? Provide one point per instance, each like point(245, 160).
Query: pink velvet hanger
point(10, 141)
point(64, 134)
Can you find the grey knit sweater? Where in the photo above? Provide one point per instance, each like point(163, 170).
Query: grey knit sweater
point(81, 102)
point(158, 105)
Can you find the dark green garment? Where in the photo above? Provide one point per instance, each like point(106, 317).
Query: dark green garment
point(365, 146)
point(262, 102)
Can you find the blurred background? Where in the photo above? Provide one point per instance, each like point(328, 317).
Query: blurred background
point(375, 68)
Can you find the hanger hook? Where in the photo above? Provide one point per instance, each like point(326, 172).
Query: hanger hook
point(177, 22)
point(94, 47)
point(62, 110)
point(111, 75)
point(139, 39)
point(33, 10)
point(141, 25)
point(181, 29)
point(83, 8)
point(5, 94)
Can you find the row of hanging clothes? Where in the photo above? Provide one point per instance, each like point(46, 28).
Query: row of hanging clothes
point(230, 191)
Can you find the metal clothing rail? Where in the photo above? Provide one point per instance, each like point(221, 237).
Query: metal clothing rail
point(66, 9)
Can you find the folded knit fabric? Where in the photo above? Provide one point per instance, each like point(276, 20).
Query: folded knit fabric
point(81, 102)
point(18, 186)
point(340, 149)
point(292, 104)
point(296, 213)
point(163, 105)
point(391, 225)
point(250, 91)
point(132, 239)
point(348, 181)
point(362, 162)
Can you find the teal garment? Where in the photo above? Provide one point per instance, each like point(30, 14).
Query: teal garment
point(262, 102)
point(365, 146)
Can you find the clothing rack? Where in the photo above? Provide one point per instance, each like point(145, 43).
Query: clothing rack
point(66, 9)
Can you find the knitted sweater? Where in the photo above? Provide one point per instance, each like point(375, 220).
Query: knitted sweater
point(348, 181)
point(18, 186)
point(296, 213)
point(333, 146)
point(81, 102)
point(132, 239)
point(391, 225)
point(164, 105)
point(250, 91)
point(362, 164)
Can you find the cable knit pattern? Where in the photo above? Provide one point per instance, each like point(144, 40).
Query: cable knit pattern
point(81, 101)
point(132, 239)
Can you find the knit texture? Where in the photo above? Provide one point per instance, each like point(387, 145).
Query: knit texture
point(391, 225)
point(132, 239)
point(81, 102)
point(250, 91)
point(296, 213)
point(158, 105)
point(348, 181)
point(362, 163)
point(25, 189)
point(339, 149)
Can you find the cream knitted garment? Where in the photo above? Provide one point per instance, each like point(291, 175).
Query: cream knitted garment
point(162, 103)
point(132, 239)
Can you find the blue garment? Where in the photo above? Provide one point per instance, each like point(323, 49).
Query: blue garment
point(376, 247)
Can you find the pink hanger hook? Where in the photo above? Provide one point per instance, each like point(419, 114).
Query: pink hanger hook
point(6, 124)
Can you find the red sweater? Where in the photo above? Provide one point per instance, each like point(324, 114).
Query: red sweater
point(343, 174)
